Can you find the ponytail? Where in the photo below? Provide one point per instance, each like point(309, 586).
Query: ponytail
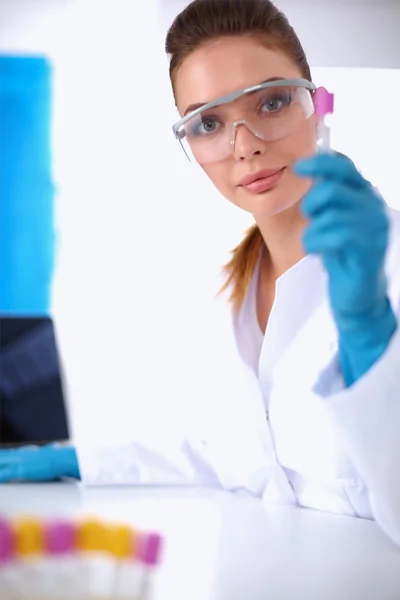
point(239, 270)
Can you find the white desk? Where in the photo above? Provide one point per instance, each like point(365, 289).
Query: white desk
point(224, 547)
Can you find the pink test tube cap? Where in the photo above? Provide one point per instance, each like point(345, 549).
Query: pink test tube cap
point(6, 541)
point(150, 549)
point(60, 538)
point(324, 102)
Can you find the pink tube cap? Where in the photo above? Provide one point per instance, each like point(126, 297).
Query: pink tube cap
point(150, 549)
point(6, 541)
point(60, 538)
point(324, 102)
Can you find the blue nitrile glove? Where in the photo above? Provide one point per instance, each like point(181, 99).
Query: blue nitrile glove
point(349, 228)
point(27, 231)
point(32, 463)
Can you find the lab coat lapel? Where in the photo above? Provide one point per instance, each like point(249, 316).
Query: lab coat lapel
point(246, 446)
point(299, 292)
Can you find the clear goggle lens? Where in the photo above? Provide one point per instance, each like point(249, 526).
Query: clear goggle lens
point(270, 113)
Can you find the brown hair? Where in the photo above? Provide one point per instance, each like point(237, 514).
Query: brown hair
point(203, 21)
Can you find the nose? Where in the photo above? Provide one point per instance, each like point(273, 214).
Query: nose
point(245, 142)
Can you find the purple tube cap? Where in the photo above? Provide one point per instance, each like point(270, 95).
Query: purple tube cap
point(60, 538)
point(150, 549)
point(6, 541)
point(324, 102)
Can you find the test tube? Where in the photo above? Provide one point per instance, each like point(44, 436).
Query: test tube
point(7, 561)
point(98, 566)
point(62, 563)
point(29, 551)
point(122, 544)
point(149, 556)
point(324, 106)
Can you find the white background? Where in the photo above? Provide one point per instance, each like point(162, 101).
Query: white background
point(142, 234)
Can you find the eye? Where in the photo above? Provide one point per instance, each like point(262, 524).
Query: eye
point(203, 126)
point(275, 103)
point(209, 125)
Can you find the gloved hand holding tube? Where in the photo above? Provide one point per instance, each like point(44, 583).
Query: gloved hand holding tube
point(349, 229)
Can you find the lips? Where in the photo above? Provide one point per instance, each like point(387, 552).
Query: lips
point(262, 181)
point(264, 174)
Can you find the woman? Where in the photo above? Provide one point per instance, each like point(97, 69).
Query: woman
point(314, 289)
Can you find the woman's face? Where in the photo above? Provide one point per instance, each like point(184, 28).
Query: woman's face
point(232, 64)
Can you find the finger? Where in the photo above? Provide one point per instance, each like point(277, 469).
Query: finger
point(337, 239)
point(328, 194)
point(356, 223)
point(331, 238)
point(337, 167)
point(329, 231)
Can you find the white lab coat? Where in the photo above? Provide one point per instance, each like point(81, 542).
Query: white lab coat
point(279, 424)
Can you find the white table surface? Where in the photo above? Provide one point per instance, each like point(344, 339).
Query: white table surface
point(225, 547)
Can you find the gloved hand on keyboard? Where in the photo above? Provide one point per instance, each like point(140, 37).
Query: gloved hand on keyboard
point(349, 228)
point(31, 463)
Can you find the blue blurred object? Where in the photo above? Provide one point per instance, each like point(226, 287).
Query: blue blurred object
point(27, 236)
point(38, 464)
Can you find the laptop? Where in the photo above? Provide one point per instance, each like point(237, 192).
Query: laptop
point(32, 400)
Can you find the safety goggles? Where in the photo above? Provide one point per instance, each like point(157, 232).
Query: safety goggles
point(270, 111)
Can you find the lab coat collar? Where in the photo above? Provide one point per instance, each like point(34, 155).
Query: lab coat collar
point(310, 266)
